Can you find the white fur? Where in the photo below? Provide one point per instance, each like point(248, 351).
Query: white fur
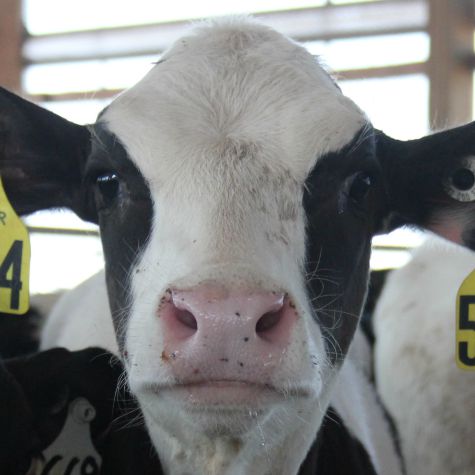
point(81, 318)
point(431, 400)
point(233, 106)
point(361, 411)
point(225, 129)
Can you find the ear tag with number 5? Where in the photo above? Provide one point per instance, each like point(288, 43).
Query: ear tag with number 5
point(14, 260)
point(465, 330)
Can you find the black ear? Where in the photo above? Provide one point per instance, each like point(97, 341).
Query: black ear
point(42, 157)
point(430, 182)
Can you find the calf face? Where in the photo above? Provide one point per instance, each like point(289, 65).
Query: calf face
point(237, 191)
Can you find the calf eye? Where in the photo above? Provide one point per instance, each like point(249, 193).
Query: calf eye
point(108, 188)
point(460, 185)
point(359, 185)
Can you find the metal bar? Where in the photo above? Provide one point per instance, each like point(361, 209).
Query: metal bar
point(76, 95)
point(390, 247)
point(62, 231)
point(318, 23)
point(91, 233)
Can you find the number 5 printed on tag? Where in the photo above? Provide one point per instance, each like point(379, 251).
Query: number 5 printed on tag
point(465, 330)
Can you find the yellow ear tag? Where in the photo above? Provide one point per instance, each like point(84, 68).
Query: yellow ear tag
point(14, 260)
point(465, 331)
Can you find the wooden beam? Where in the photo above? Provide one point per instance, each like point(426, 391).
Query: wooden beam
point(366, 73)
point(451, 75)
point(11, 40)
point(382, 71)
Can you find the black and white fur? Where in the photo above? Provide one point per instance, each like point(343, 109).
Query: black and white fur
point(431, 400)
point(237, 159)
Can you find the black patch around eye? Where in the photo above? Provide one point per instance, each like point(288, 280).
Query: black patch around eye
point(119, 195)
point(341, 199)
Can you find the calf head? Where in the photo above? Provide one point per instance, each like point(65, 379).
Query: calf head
point(237, 191)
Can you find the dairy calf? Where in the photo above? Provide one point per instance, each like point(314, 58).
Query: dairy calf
point(237, 191)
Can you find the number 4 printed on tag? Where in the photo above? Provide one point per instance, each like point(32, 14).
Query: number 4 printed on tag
point(14, 260)
point(10, 273)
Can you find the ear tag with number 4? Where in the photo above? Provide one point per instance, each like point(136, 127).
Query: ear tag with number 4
point(14, 260)
point(465, 330)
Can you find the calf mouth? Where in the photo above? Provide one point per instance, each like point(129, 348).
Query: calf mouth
point(220, 406)
point(225, 394)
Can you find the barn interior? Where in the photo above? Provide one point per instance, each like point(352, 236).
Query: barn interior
point(409, 64)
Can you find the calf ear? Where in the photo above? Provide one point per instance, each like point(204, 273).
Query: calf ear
point(42, 157)
point(430, 182)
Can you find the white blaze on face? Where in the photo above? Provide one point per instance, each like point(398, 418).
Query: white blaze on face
point(225, 130)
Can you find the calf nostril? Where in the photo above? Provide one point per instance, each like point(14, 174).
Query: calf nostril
point(186, 318)
point(268, 321)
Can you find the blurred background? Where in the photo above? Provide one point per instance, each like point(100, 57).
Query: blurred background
point(408, 63)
